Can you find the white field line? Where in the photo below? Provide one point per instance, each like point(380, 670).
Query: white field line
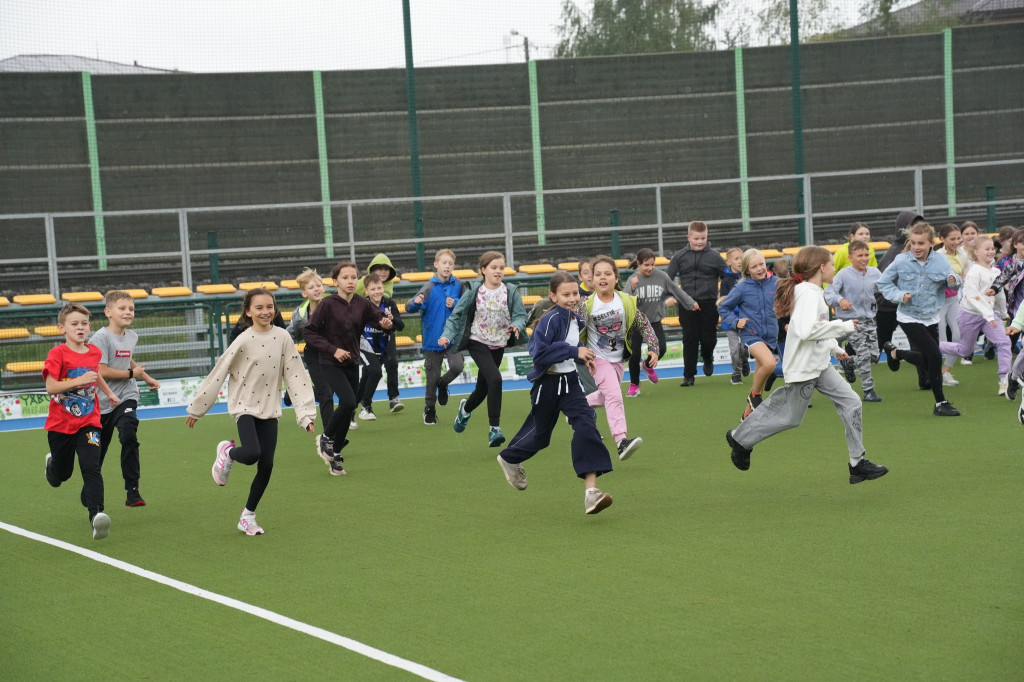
point(276, 618)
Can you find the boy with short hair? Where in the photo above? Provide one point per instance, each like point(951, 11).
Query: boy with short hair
point(852, 295)
point(381, 265)
point(73, 421)
point(699, 268)
point(379, 341)
point(737, 350)
point(435, 301)
point(119, 369)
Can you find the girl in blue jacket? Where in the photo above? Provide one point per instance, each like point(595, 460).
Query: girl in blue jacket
point(555, 347)
point(917, 280)
point(749, 309)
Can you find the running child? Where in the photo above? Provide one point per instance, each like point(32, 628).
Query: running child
point(434, 302)
point(312, 288)
point(487, 319)
point(335, 329)
point(381, 265)
point(982, 312)
point(73, 424)
point(807, 364)
point(917, 280)
point(651, 288)
point(858, 231)
point(119, 369)
point(611, 322)
point(852, 295)
point(1011, 279)
point(254, 365)
point(950, 246)
point(380, 342)
point(738, 355)
point(749, 309)
point(555, 347)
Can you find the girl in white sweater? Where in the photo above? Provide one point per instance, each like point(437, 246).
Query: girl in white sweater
point(254, 365)
point(807, 366)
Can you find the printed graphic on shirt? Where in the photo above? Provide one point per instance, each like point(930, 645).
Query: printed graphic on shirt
point(610, 333)
point(122, 353)
point(78, 401)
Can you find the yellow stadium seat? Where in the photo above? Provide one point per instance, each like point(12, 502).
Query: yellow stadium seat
point(537, 269)
point(466, 274)
point(300, 346)
point(791, 250)
point(879, 246)
point(81, 296)
point(661, 260)
point(34, 299)
point(622, 262)
point(419, 338)
point(289, 284)
point(417, 276)
point(401, 308)
point(771, 253)
point(286, 315)
point(328, 281)
point(246, 286)
point(167, 292)
point(216, 289)
point(4, 301)
point(14, 333)
point(832, 248)
point(529, 331)
point(404, 341)
point(48, 330)
point(570, 267)
point(531, 299)
point(509, 271)
point(670, 322)
point(233, 319)
point(25, 367)
point(136, 293)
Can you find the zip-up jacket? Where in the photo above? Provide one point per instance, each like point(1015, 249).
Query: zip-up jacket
point(456, 329)
point(754, 300)
point(337, 323)
point(548, 346)
point(698, 271)
point(378, 338)
point(925, 282)
point(433, 311)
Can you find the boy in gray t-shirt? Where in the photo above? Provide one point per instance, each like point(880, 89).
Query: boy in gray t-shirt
point(119, 369)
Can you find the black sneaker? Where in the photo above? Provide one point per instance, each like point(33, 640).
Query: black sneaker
point(871, 397)
point(944, 409)
point(770, 381)
point(746, 367)
point(430, 416)
point(890, 357)
point(736, 379)
point(627, 446)
point(990, 353)
point(134, 499)
point(740, 454)
point(1012, 388)
point(687, 381)
point(442, 394)
point(866, 471)
point(709, 367)
point(849, 370)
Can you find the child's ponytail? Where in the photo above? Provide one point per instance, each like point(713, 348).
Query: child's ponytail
point(807, 262)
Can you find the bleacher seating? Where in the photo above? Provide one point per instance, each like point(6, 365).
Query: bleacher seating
point(14, 333)
point(216, 289)
point(47, 330)
point(466, 274)
point(537, 269)
point(4, 301)
point(171, 292)
point(246, 286)
point(137, 293)
point(35, 299)
point(569, 267)
point(417, 276)
point(530, 300)
point(25, 367)
point(404, 342)
point(81, 296)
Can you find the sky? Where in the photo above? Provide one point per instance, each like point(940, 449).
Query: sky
point(279, 35)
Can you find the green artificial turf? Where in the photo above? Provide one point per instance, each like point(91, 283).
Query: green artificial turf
point(697, 571)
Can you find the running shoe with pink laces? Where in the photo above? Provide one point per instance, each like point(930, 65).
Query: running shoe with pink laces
point(651, 374)
point(222, 465)
point(633, 391)
point(247, 523)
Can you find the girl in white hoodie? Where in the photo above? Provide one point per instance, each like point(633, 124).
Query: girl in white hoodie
point(807, 365)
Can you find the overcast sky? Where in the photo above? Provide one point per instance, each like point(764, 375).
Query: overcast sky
point(278, 35)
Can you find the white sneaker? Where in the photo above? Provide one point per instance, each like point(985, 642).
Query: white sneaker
point(966, 361)
point(352, 425)
point(247, 523)
point(595, 500)
point(100, 526)
point(514, 474)
point(367, 415)
point(1002, 386)
point(222, 465)
point(949, 380)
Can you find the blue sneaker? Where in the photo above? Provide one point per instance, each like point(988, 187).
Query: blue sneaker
point(462, 418)
point(496, 437)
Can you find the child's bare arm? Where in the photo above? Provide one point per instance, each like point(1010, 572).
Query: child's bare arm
point(53, 386)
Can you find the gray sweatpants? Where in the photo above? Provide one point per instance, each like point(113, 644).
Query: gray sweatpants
point(738, 354)
point(432, 368)
point(785, 408)
point(865, 346)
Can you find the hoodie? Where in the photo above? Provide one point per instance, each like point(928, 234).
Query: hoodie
point(389, 286)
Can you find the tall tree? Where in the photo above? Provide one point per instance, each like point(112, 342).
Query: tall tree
point(616, 27)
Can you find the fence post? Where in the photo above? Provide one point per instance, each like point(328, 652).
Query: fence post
point(613, 221)
point(211, 243)
point(990, 210)
point(506, 210)
point(186, 255)
point(351, 235)
point(808, 218)
point(919, 191)
point(661, 227)
point(51, 256)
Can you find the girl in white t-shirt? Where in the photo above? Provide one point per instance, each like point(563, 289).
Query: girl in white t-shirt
point(611, 317)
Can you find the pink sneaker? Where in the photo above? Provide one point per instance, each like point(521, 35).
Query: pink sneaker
point(633, 391)
point(222, 465)
point(651, 374)
point(247, 523)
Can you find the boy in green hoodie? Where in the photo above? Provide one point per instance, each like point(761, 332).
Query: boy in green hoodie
point(382, 264)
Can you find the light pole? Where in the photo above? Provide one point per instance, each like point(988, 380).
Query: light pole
point(526, 44)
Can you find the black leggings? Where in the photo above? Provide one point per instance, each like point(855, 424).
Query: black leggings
point(371, 374)
point(321, 388)
point(344, 381)
point(636, 357)
point(924, 354)
point(488, 381)
point(259, 441)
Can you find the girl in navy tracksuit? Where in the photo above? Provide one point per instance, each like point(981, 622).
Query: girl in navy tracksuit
point(555, 347)
point(750, 310)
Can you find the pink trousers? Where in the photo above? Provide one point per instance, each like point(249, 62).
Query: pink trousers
point(608, 377)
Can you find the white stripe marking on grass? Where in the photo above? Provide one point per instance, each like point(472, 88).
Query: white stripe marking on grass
point(350, 644)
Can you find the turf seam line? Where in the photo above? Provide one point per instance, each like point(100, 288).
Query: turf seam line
point(276, 618)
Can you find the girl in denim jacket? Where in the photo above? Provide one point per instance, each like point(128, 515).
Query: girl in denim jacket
point(917, 281)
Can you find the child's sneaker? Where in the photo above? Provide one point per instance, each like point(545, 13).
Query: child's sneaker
point(247, 523)
point(752, 402)
point(944, 409)
point(866, 471)
point(462, 418)
point(100, 526)
point(746, 367)
point(709, 368)
point(367, 415)
point(336, 465)
point(222, 465)
point(352, 425)
point(652, 376)
point(430, 416)
point(1012, 388)
point(736, 379)
point(1002, 386)
point(495, 437)
point(633, 391)
point(395, 405)
point(1020, 411)
point(949, 380)
point(890, 356)
point(594, 501)
point(325, 448)
point(442, 394)
point(134, 499)
point(740, 455)
point(966, 361)
point(55, 483)
point(627, 446)
point(871, 397)
point(514, 474)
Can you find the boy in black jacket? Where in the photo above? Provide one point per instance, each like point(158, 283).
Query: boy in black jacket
point(380, 344)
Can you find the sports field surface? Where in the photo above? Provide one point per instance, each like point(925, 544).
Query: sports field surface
point(430, 564)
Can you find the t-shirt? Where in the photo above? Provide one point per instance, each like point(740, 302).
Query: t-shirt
point(572, 337)
point(76, 408)
point(116, 353)
point(606, 329)
point(492, 319)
